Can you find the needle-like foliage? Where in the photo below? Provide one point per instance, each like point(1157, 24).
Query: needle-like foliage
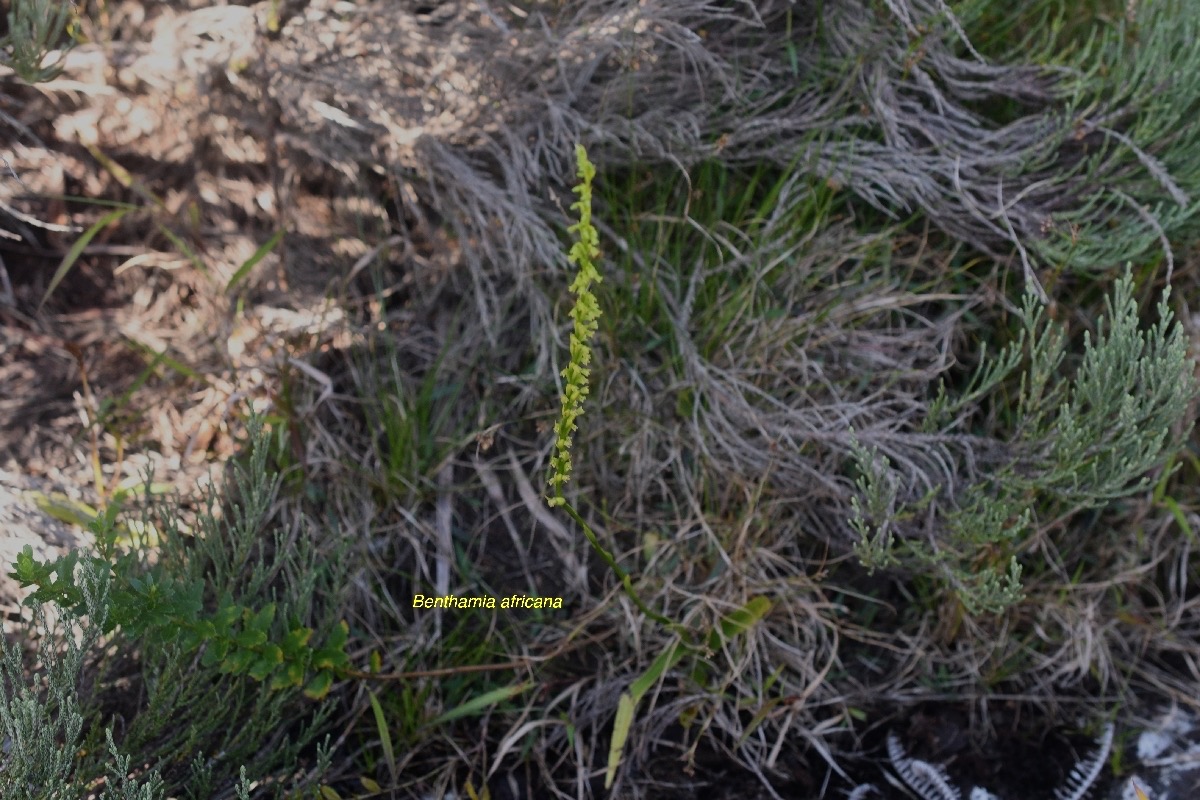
point(1079, 443)
point(931, 782)
point(201, 611)
point(35, 29)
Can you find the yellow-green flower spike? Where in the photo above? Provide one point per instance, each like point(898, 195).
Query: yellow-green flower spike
point(586, 311)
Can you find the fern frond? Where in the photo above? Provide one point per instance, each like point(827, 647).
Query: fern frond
point(979, 793)
point(928, 780)
point(1086, 771)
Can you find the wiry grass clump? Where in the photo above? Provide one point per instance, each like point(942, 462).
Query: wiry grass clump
point(1051, 152)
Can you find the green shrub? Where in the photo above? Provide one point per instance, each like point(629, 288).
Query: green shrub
point(35, 29)
point(1079, 444)
point(167, 607)
point(203, 614)
point(42, 719)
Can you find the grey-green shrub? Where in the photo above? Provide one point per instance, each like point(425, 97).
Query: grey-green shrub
point(36, 28)
point(222, 613)
point(42, 721)
point(1079, 443)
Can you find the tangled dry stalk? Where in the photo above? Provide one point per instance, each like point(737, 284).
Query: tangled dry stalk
point(729, 404)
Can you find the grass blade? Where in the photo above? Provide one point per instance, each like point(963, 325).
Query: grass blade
point(184, 248)
point(258, 256)
point(77, 250)
point(485, 700)
point(739, 621)
point(385, 737)
point(620, 733)
point(665, 661)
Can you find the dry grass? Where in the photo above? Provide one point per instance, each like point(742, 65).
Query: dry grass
point(773, 295)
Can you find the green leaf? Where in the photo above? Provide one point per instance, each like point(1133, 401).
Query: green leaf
point(385, 736)
point(269, 659)
point(281, 681)
point(249, 639)
point(215, 652)
point(739, 621)
point(329, 659)
point(227, 614)
point(333, 654)
point(296, 641)
point(341, 634)
point(77, 250)
point(28, 570)
point(319, 686)
point(262, 667)
point(206, 629)
point(263, 619)
point(295, 672)
point(64, 509)
point(484, 701)
point(621, 725)
point(746, 617)
point(238, 661)
point(257, 256)
point(191, 638)
point(665, 661)
point(629, 700)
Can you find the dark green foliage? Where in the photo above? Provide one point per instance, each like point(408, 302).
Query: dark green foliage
point(204, 614)
point(44, 724)
point(162, 610)
point(35, 29)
